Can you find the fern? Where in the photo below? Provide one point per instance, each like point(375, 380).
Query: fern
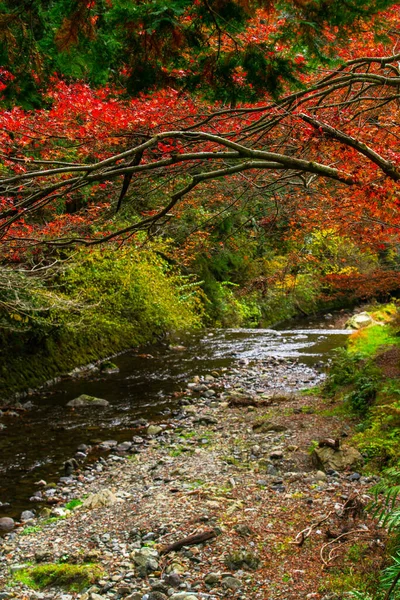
point(386, 509)
point(361, 596)
point(391, 578)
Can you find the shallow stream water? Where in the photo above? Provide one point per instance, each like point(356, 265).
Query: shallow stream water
point(35, 445)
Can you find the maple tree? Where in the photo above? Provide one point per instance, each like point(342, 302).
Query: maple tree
point(279, 144)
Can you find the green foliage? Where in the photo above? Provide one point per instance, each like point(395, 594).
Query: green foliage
point(358, 377)
point(356, 369)
point(132, 291)
point(385, 507)
point(116, 300)
point(70, 577)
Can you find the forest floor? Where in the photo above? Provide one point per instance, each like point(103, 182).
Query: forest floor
point(235, 466)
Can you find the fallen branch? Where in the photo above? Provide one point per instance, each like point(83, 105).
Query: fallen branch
point(305, 533)
point(330, 556)
point(191, 540)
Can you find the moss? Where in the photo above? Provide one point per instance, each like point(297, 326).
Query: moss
point(73, 504)
point(67, 576)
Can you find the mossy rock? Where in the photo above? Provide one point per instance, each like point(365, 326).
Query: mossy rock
point(107, 367)
point(337, 459)
point(68, 576)
point(263, 426)
point(84, 400)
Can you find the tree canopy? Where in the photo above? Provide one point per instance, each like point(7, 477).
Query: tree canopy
point(314, 148)
point(230, 50)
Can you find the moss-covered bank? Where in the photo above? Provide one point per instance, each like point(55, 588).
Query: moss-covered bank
point(102, 304)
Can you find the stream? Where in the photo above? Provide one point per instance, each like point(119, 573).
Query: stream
point(35, 444)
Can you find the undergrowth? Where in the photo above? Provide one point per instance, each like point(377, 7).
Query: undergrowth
point(365, 377)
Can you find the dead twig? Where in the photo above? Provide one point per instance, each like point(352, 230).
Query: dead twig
point(305, 533)
point(342, 535)
point(191, 540)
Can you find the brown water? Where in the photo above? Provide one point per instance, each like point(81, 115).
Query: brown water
point(35, 445)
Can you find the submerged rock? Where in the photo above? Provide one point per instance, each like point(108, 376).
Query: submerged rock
point(84, 400)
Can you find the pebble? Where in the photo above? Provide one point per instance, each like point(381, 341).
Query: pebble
point(231, 583)
point(27, 515)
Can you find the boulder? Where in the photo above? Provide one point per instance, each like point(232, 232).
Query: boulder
point(6, 524)
point(103, 498)
point(338, 459)
point(359, 321)
point(84, 400)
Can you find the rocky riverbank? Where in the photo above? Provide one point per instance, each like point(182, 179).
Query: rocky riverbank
point(234, 466)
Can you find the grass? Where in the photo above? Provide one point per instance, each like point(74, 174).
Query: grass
point(73, 578)
point(368, 341)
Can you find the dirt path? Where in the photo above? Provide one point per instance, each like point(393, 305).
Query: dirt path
point(243, 473)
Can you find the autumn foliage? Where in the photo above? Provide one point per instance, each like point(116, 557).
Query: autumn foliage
point(313, 146)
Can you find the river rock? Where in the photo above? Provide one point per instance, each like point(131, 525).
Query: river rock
point(103, 498)
point(154, 430)
point(321, 476)
point(212, 578)
point(231, 583)
point(84, 400)
point(146, 560)
point(359, 321)
point(338, 459)
point(267, 426)
point(27, 515)
point(108, 368)
point(157, 595)
point(205, 420)
point(173, 579)
point(6, 524)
